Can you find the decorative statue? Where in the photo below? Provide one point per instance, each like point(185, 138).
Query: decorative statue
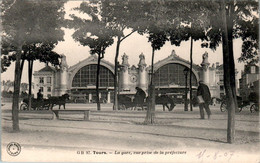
point(63, 61)
point(142, 63)
point(173, 53)
point(205, 57)
point(125, 60)
point(142, 60)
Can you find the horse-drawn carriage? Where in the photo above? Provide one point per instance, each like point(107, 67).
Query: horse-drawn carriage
point(36, 104)
point(44, 104)
point(252, 103)
point(129, 102)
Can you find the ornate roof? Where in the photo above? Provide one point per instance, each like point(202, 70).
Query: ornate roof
point(93, 59)
point(174, 58)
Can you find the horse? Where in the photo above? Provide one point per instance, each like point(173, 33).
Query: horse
point(164, 100)
point(125, 102)
point(58, 100)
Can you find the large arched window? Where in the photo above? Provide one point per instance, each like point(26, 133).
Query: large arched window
point(87, 76)
point(172, 74)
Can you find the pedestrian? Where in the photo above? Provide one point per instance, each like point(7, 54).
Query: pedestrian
point(139, 97)
point(39, 95)
point(203, 93)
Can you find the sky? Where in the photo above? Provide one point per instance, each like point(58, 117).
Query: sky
point(132, 46)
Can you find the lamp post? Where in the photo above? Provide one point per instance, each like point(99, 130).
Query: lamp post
point(118, 78)
point(185, 71)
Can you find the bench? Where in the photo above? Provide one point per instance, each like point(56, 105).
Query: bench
point(69, 112)
point(35, 114)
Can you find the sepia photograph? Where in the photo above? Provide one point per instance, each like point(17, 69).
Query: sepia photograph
point(173, 81)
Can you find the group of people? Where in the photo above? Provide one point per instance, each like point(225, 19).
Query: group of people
point(203, 93)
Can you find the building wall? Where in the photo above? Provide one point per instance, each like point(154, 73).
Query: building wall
point(129, 77)
point(47, 86)
point(249, 76)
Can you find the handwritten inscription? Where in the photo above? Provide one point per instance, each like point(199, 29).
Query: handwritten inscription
point(215, 155)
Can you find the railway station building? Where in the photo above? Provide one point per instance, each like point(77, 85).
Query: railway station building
point(79, 80)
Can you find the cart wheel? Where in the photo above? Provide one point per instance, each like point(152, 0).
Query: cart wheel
point(223, 107)
point(254, 108)
point(24, 106)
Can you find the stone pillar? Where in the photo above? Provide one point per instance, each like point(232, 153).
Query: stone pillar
point(125, 73)
point(108, 97)
point(63, 75)
point(205, 68)
point(142, 83)
point(56, 81)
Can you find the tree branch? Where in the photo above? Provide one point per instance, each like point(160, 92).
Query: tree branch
point(127, 35)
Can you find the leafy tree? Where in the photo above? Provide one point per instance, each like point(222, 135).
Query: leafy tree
point(7, 84)
point(157, 39)
point(92, 32)
point(43, 53)
point(36, 51)
point(25, 23)
point(153, 24)
point(191, 24)
point(111, 12)
point(238, 20)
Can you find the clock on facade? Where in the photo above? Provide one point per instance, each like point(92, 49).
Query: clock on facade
point(133, 78)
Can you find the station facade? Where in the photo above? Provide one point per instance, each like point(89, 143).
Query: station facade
point(169, 78)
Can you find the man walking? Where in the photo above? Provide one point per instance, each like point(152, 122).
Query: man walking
point(203, 91)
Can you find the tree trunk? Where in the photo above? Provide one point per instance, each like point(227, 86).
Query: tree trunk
point(97, 82)
point(191, 62)
point(30, 69)
point(17, 83)
point(227, 62)
point(150, 114)
point(21, 68)
point(230, 24)
point(115, 107)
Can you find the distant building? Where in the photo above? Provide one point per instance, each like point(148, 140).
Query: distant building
point(44, 80)
point(249, 81)
point(80, 79)
point(219, 71)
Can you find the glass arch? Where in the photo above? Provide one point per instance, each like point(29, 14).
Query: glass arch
point(172, 74)
point(87, 76)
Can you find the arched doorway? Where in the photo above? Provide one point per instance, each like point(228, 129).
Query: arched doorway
point(170, 79)
point(84, 84)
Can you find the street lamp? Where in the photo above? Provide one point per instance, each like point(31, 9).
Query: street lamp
point(185, 71)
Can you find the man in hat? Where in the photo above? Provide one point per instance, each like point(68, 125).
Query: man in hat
point(39, 95)
point(203, 90)
point(139, 97)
